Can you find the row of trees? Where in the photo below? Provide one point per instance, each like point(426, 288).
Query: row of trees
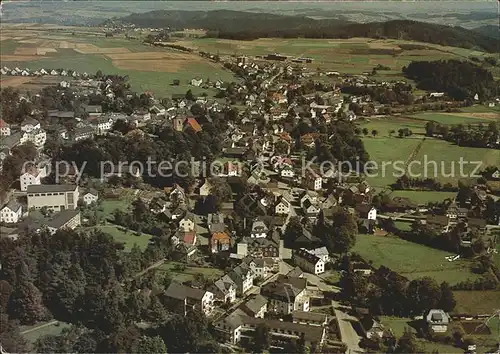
point(470, 136)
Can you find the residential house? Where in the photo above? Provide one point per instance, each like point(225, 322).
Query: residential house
point(237, 325)
point(85, 132)
point(312, 180)
point(4, 128)
point(224, 291)
point(258, 248)
point(52, 196)
point(283, 205)
point(93, 110)
point(11, 213)
point(453, 212)
point(308, 261)
point(33, 132)
point(259, 229)
point(255, 306)
point(90, 196)
point(192, 123)
point(368, 216)
point(103, 125)
point(187, 223)
point(183, 299)
point(196, 82)
point(205, 188)
point(438, 320)
point(219, 242)
point(158, 109)
point(242, 277)
point(32, 176)
point(286, 294)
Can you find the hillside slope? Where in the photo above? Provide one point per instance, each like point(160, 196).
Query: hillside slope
point(247, 26)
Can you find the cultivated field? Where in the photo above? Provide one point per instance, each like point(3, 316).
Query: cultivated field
point(412, 260)
point(477, 302)
point(424, 197)
point(382, 150)
point(354, 55)
point(459, 118)
point(447, 157)
point(149, 68)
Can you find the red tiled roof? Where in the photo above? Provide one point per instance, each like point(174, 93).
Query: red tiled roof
point(193, 124)
point(189, 238)
point(3, 124)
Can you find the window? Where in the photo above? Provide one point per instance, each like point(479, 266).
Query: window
point(70, 198)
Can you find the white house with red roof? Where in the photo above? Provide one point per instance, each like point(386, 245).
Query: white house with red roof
point(4, 128)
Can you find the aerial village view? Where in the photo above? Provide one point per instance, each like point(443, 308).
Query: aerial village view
point(250, 177)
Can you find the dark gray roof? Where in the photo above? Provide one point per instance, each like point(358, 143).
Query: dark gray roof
point(60, 219)
point(13, 205)
point(304, 254)
point(181, 292)
point(51, 188)
point(254, 304)
point(11, 140)
point(309, 316)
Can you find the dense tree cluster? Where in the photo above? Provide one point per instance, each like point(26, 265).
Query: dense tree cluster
point(461, 80)
point(385, 292)
point(471, 136)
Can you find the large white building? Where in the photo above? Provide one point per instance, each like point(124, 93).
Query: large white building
point(286, 294)
point(31, 176)
point(33, 132)
point(11, 213)
point(308, 261)
point(53, 196)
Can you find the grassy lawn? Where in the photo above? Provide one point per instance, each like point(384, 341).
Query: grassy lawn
point(411, 259)
point(190, 272)
point(108, 206)
point(403, 225)
point(381, 151)
point(384, 125)
point(53, 329)
point(397, 324)
point(477, 302)
point(448, 118)
point(424, 197)
point(447, 157)
point(128, 238)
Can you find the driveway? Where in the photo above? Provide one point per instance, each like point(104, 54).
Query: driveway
point(349, 336)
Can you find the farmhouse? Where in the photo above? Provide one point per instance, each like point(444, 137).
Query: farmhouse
point(11, 213)
point(308, 261)
point(286, 294)
point(438, 320)
point(181, 299)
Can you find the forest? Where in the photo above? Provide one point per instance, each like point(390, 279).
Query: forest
point(461, 80)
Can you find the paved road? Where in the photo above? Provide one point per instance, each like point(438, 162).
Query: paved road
point(349, 336)
point(48, 324)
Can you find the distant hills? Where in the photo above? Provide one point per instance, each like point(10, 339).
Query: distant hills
point(488, 30)
point(248, 25)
